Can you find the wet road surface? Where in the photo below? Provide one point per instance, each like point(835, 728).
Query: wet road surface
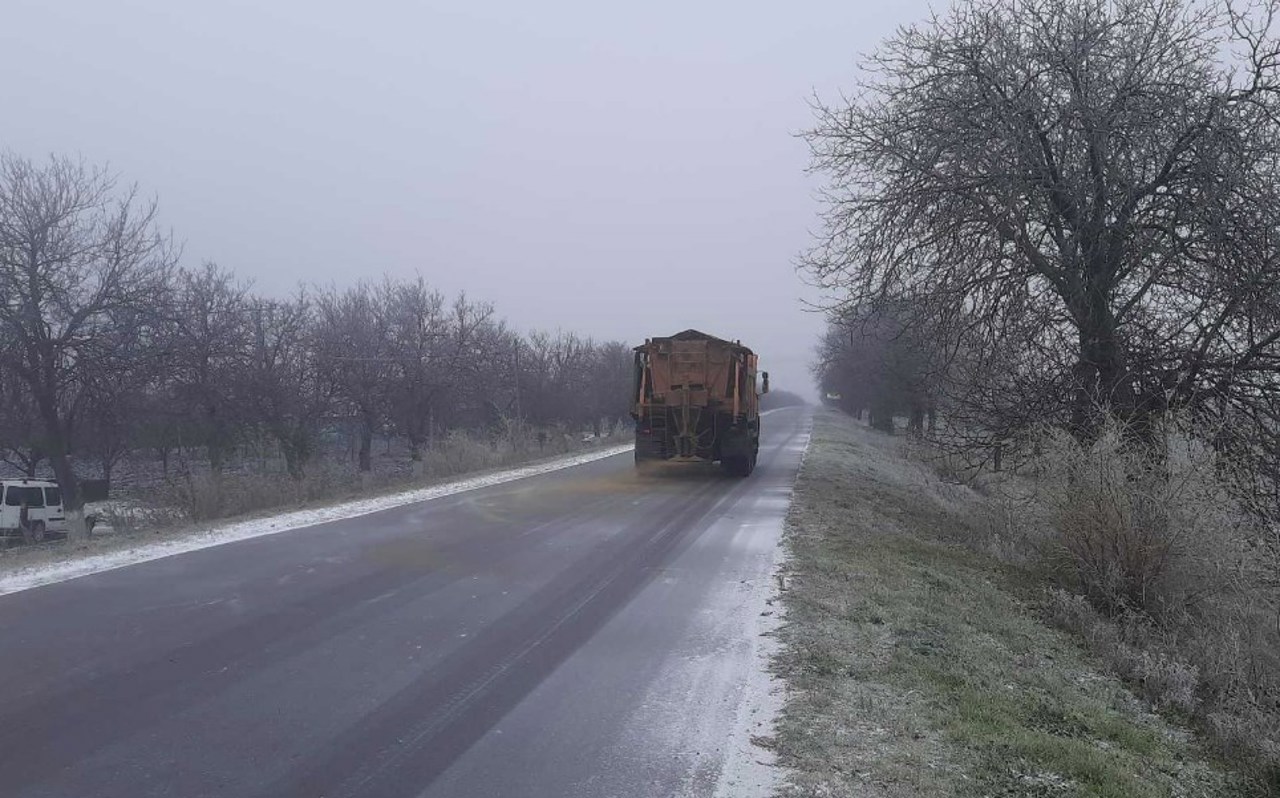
point(588, 632)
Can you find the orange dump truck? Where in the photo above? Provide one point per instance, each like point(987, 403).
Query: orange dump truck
point(695, 400)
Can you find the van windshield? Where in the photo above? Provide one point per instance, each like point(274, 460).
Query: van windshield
point(14, 496)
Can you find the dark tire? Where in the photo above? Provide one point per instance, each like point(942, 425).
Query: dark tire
point(739, 466)
point(34, 533)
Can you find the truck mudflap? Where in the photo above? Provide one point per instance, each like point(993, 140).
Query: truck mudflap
point(648, 447)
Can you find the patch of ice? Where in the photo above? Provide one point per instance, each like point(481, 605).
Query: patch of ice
point(49, 573)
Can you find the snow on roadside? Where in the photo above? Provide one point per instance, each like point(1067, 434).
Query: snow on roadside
point(750, 768)
point(49, 573)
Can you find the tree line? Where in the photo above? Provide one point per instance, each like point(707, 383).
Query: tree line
point(108, 345)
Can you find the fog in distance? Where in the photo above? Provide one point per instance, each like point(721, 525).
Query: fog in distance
point(615, 170)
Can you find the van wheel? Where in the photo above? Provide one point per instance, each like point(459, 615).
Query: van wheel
point(34, 533)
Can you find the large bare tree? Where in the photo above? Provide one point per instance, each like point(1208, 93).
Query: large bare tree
point(79, 260)
point(1095, 180)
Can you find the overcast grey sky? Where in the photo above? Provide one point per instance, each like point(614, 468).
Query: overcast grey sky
point(617, 170)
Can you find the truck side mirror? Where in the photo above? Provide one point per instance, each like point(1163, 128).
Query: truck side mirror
point(765, 387)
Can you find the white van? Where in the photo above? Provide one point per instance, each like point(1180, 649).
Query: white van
point(44, 508)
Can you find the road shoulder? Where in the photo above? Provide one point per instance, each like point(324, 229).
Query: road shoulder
point(916, 666)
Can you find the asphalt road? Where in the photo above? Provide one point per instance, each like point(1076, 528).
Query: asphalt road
point(589, 632)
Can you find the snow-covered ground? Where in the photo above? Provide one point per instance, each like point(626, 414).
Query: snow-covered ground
point(35, 575)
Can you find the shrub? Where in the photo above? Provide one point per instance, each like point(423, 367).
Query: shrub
point(1139, 525)
point(1167, 578)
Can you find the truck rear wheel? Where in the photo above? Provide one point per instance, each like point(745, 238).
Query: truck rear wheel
point(740, 466)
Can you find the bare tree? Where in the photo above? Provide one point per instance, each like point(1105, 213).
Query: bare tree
point(467, 352)
point(290, 392)
point(354, 346)
point(487, 391)
point(111, 416)
point(1088, 179)
point(877, 361)
point(209, 346)
point(609, 383)
point(76, 259)
point(117, 387)
point(418, 328)
point(557, 369)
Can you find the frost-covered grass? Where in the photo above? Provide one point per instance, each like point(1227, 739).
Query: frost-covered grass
point(1150, 558)
point(916, 668)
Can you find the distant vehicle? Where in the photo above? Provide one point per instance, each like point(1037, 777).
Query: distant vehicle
point(45, 513)
point(695, 399)
point(43, 502)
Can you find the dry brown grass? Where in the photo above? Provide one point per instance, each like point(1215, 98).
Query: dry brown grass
point(207, 496)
